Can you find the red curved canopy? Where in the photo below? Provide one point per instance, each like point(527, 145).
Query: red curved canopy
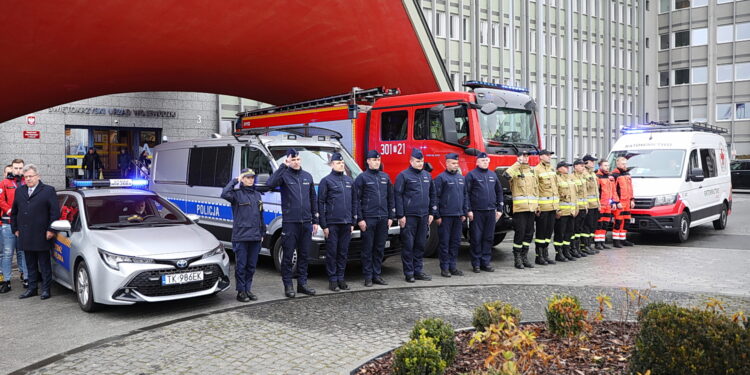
point(54, 52)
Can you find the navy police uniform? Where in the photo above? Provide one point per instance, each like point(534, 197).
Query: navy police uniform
point(375, 204)
point(485, 197)
point(415, 200)
point(450, 191)
point(337, 214)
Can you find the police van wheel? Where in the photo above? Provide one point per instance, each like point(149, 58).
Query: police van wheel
point(683, 229)
point(278, 254)
point(431, 246)
point(721, 222)
point(499, 237)
point(84, 289)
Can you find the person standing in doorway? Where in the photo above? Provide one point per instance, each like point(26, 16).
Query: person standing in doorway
point(123, 162)
point(92, 164)
point(8, 188)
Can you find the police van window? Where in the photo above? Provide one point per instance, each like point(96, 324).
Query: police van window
point(708, 159)
point(393, 125)
point(255, 159)
point(169, 166)
point(315, 160)
point(210, 166)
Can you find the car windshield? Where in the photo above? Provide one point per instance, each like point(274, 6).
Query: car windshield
point(315, 160)
point(121, 211)
point(508, 126)
point(652, 163)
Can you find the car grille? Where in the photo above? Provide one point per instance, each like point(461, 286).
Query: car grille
point(153, 288)
point(643, 203)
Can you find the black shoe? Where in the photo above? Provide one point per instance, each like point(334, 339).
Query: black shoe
point(304, 289)
point(422, 276)
point(627, 243)
point(242, 297)
point(560, 258)
point(457, 272)
point(343, 285)
point(252, 296)
point(28, 293)
point(368, 282)
point(5, 287)
point(25, 283)
point(45, 295)
point(445, 273)
point(409, 279)
point(334, 286)
point(476, 269)
point(616, 244)
point(379, 280)
point(487, 268)
point(289, 291)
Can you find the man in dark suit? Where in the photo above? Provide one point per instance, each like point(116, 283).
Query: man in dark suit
point(34, 209)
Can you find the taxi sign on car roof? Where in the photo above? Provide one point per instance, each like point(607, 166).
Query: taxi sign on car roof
point(111, 183)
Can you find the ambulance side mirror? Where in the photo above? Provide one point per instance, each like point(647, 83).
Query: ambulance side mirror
point(696, 175)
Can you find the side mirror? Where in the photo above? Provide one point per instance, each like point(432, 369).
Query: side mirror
point(61, 225)
point(428, 167)
point(472, 151)
point(260, 182)
point(194, 218)
point(489, 108)
point(696, 175)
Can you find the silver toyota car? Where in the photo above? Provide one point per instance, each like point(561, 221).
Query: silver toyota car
point(119, 246)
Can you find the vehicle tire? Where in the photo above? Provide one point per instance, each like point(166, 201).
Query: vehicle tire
point(499, 237)
point(721, 222)
point(683, 229)
point(84, 289)
point(278, 255)
point(433, 241)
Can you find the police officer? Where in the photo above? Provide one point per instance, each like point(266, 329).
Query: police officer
point(579, 179)
point(607, 205)
point(624, 190)
point(548, 205)
point(566, 213)
point(415, 209)
point(485, 206)
point(523, 186)
point(299, 214)
point(248, 229)
point(592, 199)
point(337, 217)
point(376, 211)
point(450, 190)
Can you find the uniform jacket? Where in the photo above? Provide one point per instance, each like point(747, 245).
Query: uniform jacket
point(336, 200)
point(623, 187)
point(547, 184)
point(607, 191)
point(374, 195)
point(484, 191)
point(248, 223)
point(8, 188)
point(92, 161)
point(592, 189)
point(299, 203)
point(567, 189)
point(523, 186)
point(32, 217)
point(123, 160)
point(580, 184)
point(415, 193)
point(450, 192)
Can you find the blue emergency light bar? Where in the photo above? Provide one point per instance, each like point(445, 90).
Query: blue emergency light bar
point(490, 85)
point(111, 183)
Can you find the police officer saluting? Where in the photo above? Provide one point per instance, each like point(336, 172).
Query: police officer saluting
point(523, 185)
point(485, 206)
point(376, 211)
point(248, 229)
point(337, 217)
point(415, 207)
point(299, 215)
point(450, 190)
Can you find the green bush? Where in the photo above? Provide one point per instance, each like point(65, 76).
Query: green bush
point(681, 341)
point(648, 308)
point(490, 312)
point(443, 334)
point(565, 317)
point(419, 356)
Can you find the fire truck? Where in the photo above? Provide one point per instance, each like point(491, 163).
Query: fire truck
point(493, 118)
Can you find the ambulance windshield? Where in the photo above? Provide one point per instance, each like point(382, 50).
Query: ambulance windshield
point(651, 163)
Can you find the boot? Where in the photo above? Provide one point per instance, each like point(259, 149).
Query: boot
point(598, 246)
point(574, 250)
point(625, 242)
point(616, 243)
point(590, 241)
point(577, 249)
point(517, 259)
point(5, 287)
point(545, 255)
point(524, 257)
point(568, 253)
point(559, 256)
point(539, 256)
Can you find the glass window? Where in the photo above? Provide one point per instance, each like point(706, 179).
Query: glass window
point(508, 125)
point(723, 1)
point(742, 111)
point(664, 41)
point(455, 26)
point(700, 113)
point(393, 125)
point(428, 18)
point(708, 160)
point(255, 159)
point(316, 160)
point(723, 112)
point(663, 79)
point(700, 74)
point(210, 166)
point(681, 4)
point(496, 34)
point(742, 71)
point(427, 125)
point(652, 163)
point(700, 37)
point(664, 114)
point(506, 37)
point(724, 73)
point(680, 114)
point(694, 161)
point(724, 33)
point(700, 3)
point(682, 38)
point(743, 31)
point(466, 29)
point(440, 24)
point(128, 211)
point(681, 76)
point(483, 32)
point(665, 6)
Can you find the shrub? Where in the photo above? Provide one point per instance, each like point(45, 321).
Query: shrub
point(648, 308)
point(443, 334)
point(565, 317)
point(419, 356)
point(491, 312)
point(510, 349)
point(681, 341)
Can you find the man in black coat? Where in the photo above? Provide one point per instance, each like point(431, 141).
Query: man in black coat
point(34, 209)
point(91, 164)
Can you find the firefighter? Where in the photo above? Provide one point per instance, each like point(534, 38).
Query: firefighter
point(299, 215)
point(592, 199)
point(548, 205)
point(607, 205)
point(523, 186)
point(624, 191)
point(579, 178)
point(337, 217)
point(415, 209)
point(485, 206)
point(450, 192)
point(566, 212)
point(376, 212)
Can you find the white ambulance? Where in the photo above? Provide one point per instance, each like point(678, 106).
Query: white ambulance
point(680, 174)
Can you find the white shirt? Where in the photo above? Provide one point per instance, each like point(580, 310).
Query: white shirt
point(31, 190)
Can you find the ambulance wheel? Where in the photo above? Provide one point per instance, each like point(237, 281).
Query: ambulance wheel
point(499, 237)
point(431, 246)
point(721, 222)
point(84, 289)
point(683, 228)
point(278, 255)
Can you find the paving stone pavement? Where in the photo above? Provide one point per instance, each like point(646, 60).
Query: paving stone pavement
point(329, 334)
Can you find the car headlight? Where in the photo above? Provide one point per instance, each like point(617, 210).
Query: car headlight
point(219, 250)
point(663, 200)
point(113, 260)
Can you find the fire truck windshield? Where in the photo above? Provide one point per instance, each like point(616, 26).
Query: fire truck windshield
point(507, 126)
point(315, 160)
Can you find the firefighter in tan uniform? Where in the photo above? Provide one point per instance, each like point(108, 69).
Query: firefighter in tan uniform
point(523, 186)
point(579, 178)
point(592, 199)
point(548, 205)
point(566, 212)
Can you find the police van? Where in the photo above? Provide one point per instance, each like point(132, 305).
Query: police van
point(681, 177)
point(192, 173)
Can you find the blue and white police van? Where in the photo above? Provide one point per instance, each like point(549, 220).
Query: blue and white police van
point(192, 173)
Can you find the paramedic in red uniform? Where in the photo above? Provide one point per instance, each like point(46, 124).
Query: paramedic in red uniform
point(624, 191)
point(607, 205)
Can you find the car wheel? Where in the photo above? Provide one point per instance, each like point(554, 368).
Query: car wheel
point(683, 229)
point(499, 237)
point(721, 222)
point(84, 288)
point(278, 255)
